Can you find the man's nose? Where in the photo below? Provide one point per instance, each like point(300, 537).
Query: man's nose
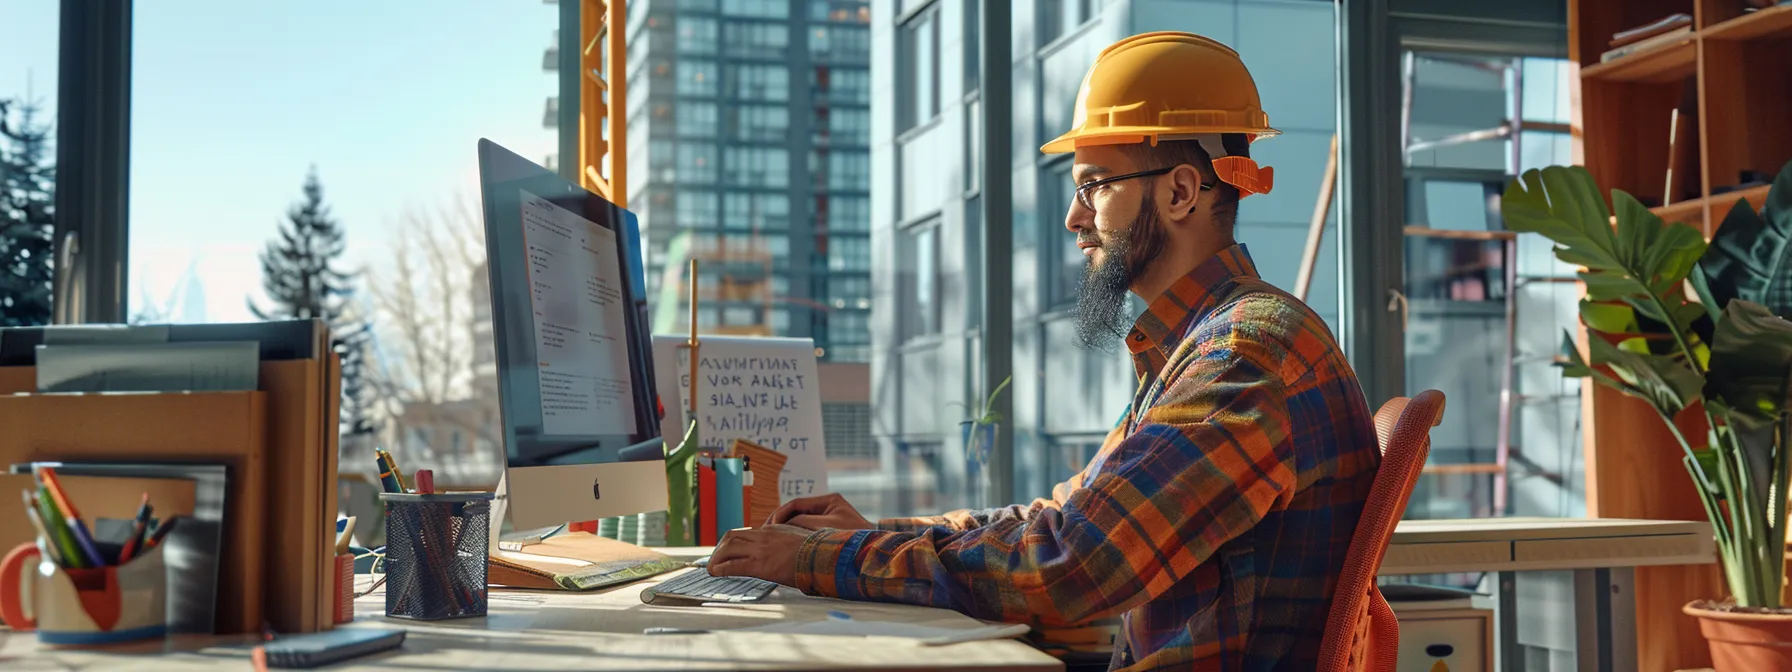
point(1079, 219)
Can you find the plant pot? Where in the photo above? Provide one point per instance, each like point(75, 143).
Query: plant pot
point(1745, 641)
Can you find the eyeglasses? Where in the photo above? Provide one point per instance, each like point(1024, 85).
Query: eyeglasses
point(1083, 190)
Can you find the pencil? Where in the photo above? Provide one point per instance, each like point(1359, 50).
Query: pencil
point(72, 517)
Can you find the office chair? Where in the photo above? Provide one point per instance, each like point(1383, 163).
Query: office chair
point(1360, 632)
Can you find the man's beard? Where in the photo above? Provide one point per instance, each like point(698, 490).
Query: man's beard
point(1101, 307)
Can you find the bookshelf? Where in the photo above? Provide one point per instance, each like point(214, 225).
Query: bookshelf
point(1730, 77)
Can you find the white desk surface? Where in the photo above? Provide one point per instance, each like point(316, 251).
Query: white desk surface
point(599, 630)
point(1523, 544)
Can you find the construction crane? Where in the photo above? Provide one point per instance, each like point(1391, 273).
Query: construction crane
point(603, 89)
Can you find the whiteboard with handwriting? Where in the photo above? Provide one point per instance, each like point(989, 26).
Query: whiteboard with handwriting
point(764, 390)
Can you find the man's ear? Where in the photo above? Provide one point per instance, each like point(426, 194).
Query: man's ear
point(1184, 187)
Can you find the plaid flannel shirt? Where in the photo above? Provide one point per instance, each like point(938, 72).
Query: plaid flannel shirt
point(1215, 520)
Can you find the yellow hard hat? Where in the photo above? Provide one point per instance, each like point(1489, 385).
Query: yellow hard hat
point(1171, 86)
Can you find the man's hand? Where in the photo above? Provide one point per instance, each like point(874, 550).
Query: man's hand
point(767, 553)
point(822, 511)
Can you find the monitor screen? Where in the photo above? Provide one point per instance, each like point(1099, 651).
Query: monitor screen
point(574, 371)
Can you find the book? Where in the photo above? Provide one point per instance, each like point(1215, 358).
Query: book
point(1651, 29)
point(1662, 40)
point(577, 561)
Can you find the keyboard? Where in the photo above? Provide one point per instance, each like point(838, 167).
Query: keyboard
point(696, 586)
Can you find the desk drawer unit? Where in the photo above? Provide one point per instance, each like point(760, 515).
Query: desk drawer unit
point(1454, 640)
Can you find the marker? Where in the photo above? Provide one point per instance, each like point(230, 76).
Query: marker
point(426, 482)
point(137, 529)
point(59, 532)
point(397, 473)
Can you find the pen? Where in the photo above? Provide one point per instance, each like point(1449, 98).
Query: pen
point(137, 528)
point(675, 631)
point(388, 477)
point(397, 474)
point(71, 516)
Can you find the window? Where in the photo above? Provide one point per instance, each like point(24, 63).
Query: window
point(696, 78)
point(193, 113)
point(697, 163)
point(849, 292)
point(849, 253)
point(756, 166)
point(973, 146)
point(849, 214)
point(696, 35)
point(973, 42)
point(763, 212)
point(765, 9)
point(850, 127)
point(840, 11)
point(1058, 17)
point(696, 209)
point(843, 85)
point(841, 42)
point(758, 122)
point(28, 47)
point(1067, 268)
point(917, 273)
point(758, 40)
point(918, 71)
point(695, 120)
point(759, 82)
point(849, 170)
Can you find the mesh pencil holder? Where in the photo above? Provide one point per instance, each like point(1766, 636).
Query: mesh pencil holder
point(436, 549)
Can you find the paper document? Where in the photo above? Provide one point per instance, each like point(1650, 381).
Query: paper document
point(105, 334)
point(575, 292)
point(225, 366)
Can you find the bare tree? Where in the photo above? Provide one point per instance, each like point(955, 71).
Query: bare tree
point(424, 300)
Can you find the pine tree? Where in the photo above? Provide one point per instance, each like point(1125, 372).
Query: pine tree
point(27, 213)
point(299, 272)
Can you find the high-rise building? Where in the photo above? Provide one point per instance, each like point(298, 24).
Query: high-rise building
point(749, 150)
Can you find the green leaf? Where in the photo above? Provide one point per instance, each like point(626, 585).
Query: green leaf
point(1660, 380)
point(1610, 286)
point(1611, 318)
point(1702, 287)
point(1751, 361)
point(1572, 365)
point(1563, 204)
point(1707, 459)
point(1673, 254)
point(1751, 254)
point(1637, 229)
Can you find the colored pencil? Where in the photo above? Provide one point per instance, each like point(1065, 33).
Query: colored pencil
point(72, 517)
point(137, 529)
point(59, 532)
point(37, 521)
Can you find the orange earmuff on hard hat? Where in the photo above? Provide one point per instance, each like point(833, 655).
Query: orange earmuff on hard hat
point(1172, 86)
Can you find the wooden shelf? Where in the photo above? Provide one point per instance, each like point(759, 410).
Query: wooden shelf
point(1692, 211)
point(1775, 20)
point(1721, 203)
point(1664, 64)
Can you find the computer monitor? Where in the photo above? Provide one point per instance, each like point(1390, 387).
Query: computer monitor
point(575, 374)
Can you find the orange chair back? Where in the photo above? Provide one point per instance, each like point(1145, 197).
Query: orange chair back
point(1360, 632)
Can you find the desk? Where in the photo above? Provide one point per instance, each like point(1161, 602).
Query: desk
point(1600, 552)
point(599, 630)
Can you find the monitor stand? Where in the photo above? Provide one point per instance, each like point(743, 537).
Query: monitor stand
point(500, 509)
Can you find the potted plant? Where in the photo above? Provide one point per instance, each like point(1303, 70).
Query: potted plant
point(1726, 356)
point(979, 434)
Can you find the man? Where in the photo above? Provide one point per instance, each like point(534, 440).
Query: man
point(1217, 515)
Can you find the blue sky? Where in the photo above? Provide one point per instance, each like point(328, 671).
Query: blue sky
point(234, 101)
